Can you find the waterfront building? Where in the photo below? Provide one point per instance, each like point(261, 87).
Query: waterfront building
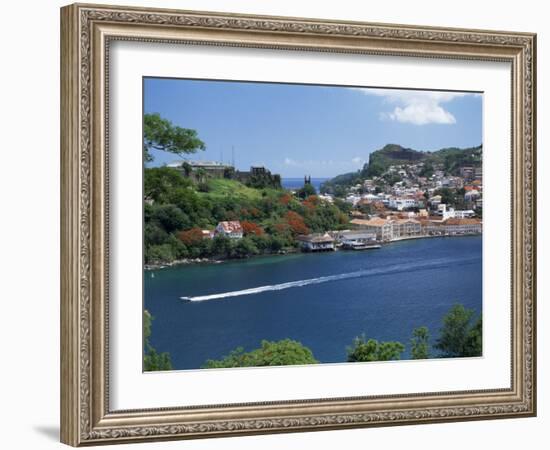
point(231, 229)
point(451, 227)
point(432, 226)
point(406, 227)
point(350, 237)
point(316, 242)
point(382, 228)
point(462, 226)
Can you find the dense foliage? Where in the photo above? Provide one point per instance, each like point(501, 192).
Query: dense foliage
point(460, 336)
point(420, 343)
point(364, 350)
point(271, 218)
point(161, 134)
point(152, 360)
point(281, 353)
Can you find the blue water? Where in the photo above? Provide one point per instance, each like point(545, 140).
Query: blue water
point(322, 300)
point(297, 183)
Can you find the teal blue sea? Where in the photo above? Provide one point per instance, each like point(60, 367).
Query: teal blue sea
point(322, 300)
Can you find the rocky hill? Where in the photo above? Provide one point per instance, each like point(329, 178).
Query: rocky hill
point(448, 159)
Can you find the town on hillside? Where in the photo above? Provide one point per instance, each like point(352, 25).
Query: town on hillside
point(404, 200)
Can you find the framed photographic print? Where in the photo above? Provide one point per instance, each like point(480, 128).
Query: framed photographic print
point(275, 224)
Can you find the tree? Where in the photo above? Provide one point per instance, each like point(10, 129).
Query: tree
point(420, 343)
point(161, 134)
point(191, 237)
point(448, 196)
point(251, 228)
point(285, 199)
point(222, 246)
point(281, 353)
point(454, 335)
point(296, 223)
point(162, 253)
point(427, 170)
point(306, 191)
point(152, 360)
point(374, 169)
point(154, 235)
point(169, 217)
point(311, 202)
point(372, 350)
point(474, 341)
point(159, 182)
point(245, 247)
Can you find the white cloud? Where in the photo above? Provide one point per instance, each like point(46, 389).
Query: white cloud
point(416, 107)
point(357, 160)
point(290, 162)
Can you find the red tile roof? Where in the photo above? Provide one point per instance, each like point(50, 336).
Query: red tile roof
point(231, 227)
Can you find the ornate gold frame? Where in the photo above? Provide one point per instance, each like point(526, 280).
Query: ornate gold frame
point(86, 31)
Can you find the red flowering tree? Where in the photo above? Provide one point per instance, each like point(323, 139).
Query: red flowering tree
point(296, 223)
point(281, 227)
point(255, 212)
point(311, 202)
point(251, 228)
point(285, 199)
point(191, 237)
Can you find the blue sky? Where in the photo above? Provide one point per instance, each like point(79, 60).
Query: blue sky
point(298, 130)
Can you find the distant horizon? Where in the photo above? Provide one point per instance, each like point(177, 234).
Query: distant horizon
point(314, 130)
point(189, 157)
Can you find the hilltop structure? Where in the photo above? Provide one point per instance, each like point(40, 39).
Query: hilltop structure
point(257, 176)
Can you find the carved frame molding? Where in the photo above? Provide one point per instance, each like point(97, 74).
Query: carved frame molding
point(87, 31)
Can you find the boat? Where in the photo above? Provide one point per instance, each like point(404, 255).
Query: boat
point(358, 245)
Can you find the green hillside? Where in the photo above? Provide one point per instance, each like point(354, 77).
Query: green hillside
point(448, 159)
point(223, 188)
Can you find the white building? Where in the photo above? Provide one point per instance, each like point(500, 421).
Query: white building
point(406, 227)
point(353, 199)
point(403, 203)
point(326, 197)
point(462, 226)
point(472, 195)
point(460, 214)
point(316, 242)
point(348, 237)
point(389, 229)
point(231, 229)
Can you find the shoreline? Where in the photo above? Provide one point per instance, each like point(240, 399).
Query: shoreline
point(427, 236)
point(193, 261)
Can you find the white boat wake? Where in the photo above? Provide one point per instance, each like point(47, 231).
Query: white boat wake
point(395, 268)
